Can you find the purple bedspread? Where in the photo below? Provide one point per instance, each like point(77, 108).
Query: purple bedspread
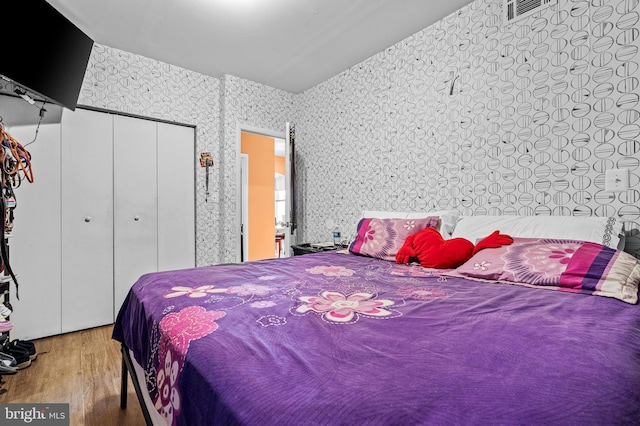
point(337, 339)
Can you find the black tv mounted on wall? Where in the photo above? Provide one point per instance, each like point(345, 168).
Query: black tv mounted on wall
point(43, 51)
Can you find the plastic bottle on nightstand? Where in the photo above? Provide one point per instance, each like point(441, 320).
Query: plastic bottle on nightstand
point(336, 237)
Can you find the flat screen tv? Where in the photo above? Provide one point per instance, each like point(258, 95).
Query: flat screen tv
point(43, 51)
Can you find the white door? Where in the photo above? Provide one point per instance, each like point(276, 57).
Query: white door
point(289, 152)
point(176, 197)
point(244, 196)
point(87, 219)
point(135, 240)
point(34, 244)
point(65, 218)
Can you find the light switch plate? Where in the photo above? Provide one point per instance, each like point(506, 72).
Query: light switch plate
point(616, 180)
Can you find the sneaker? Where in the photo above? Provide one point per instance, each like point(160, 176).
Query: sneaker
point(21, 356)
point(30, 347)
point(7, 360)
point(4, 370)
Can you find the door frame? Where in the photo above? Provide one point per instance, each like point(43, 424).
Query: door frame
point(244, 190)
point(247, 128)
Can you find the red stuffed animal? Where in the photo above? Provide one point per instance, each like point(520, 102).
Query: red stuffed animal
point(433, 251)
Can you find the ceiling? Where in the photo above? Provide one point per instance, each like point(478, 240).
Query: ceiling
point(291, 45)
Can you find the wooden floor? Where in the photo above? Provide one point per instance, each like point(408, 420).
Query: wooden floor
point(81, 368)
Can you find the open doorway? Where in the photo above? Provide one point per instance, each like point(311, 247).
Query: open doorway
point(280, 196)
point(262, 195)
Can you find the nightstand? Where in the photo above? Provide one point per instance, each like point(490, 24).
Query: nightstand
point(307, 248)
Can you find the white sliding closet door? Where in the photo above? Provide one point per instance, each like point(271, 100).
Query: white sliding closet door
point(135, 242)
point(87, 220)
point(176, 197)
point(35, 239)
point(113, 199)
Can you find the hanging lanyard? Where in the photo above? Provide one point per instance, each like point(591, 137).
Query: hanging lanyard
point(15, 161)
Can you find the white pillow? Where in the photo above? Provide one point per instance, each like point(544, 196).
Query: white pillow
point(602, 230)
point(448, 218)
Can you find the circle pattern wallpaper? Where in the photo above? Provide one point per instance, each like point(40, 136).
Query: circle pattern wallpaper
point(467, 114)
point(476, 116)
point(123, 82)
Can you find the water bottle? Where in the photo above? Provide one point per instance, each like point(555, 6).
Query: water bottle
point(336, 237)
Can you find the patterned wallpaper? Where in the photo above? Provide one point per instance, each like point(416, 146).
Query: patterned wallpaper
point(465, 114)
point(249, 103)
point(123, 82)
point(470, 115)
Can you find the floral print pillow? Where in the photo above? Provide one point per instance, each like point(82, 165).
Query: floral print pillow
point(382, 238)
point(565, 265)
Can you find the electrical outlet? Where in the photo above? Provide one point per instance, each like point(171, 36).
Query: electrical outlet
point(616, 180)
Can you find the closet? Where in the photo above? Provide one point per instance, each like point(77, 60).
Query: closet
point(113, 199)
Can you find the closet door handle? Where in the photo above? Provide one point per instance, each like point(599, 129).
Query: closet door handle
point(87, 219)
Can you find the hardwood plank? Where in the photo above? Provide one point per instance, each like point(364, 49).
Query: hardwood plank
point(82, 369)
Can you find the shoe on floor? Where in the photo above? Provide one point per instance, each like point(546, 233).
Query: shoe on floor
point(21, 356)
point(7, 360)
point(30, 347)
point(4, 370)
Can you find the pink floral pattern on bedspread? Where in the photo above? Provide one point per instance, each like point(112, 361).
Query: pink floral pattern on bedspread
point(337, 307)
point(177, 331)
point(168, 400)
point(245, 343)
point(331, 271)
point(194, 292)
point(191, 323)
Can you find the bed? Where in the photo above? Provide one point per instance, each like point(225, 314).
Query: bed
point(338, 338)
